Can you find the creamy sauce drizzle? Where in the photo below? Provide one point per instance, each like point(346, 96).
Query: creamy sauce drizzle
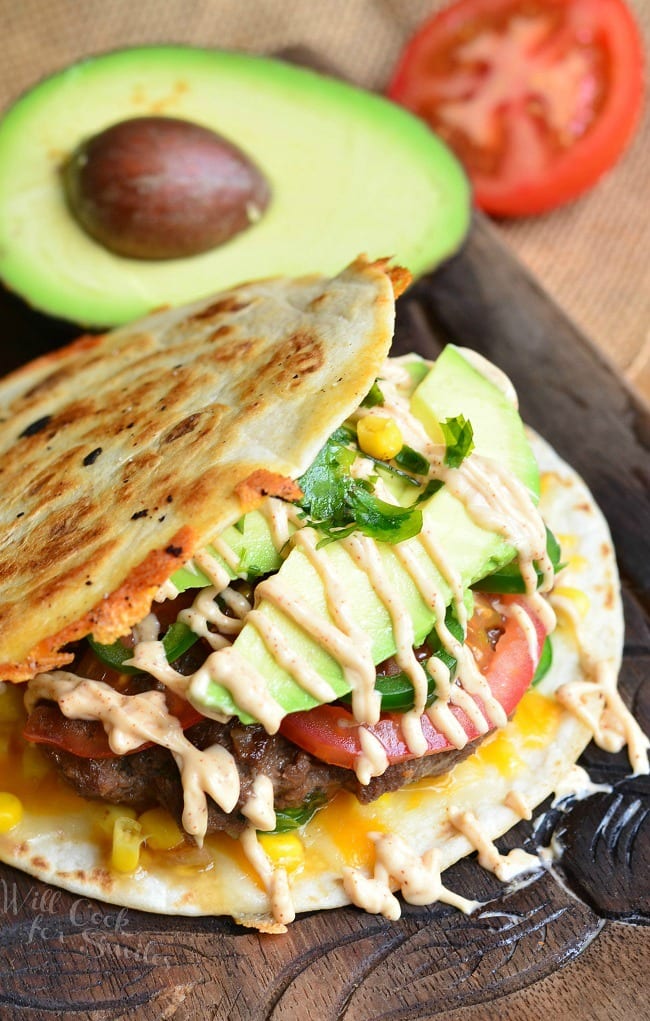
point(212, 569)
point(131, 720)
point(258, 808)
point(518, 613)
point(397, 865)
point(205, 611)
point(275, 880)
point(282, 518)
point(576, 783)
point(504, 866)
point(607, 717)
point(373, 760)
point(516, 801)
point(597, 703)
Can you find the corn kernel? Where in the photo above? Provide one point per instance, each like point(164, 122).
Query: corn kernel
point(11, 811)
point(35, 763)
point(127, 838)
point(108, 815)
point(579, 598)
point(284, 849)
point(160, 830)
point(379, 436)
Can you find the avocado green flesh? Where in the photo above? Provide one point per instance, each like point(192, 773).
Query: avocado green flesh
point(251, 542)
point(498, 430)
point(349, 171)
point(471, 550)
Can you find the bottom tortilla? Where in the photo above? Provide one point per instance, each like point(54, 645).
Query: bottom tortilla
point(60, 839)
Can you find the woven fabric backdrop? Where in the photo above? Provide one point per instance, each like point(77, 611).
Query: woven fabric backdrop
point(593, 256)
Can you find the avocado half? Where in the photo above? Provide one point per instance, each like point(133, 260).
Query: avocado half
point(349, 172)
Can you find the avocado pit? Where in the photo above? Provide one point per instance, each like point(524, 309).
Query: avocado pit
point(162, 188)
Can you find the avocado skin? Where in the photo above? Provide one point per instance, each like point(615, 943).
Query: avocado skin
point(349, 172)
point(452, 387)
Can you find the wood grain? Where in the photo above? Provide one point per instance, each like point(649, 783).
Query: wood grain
point(536, 951)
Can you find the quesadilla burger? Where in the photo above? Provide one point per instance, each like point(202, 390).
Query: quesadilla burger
point(286, 623)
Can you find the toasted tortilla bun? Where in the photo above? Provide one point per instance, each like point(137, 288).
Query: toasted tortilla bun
point(532, 755)
point(122, 454)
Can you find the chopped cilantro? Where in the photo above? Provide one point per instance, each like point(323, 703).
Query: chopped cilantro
point(431, 488)
point(287, 819)
point(338, 504)
point(459, 437)
point(412, 461)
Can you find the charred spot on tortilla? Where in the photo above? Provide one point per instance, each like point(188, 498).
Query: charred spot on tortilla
point(36, 426)
point(92, 456)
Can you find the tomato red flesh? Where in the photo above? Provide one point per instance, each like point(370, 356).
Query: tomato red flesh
point(87, 739)
point(537, 97)
point(331, 733)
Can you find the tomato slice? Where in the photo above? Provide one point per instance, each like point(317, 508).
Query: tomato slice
point(538, 98)
point(87, 739)
point(331, 733)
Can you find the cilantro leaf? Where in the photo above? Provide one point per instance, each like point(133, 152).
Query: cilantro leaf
point(459, 437)
point(386, 522)
point(412, 461)
point(338, 504)
point(287, 819)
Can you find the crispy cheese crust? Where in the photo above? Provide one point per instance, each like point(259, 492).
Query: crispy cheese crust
point(119, 448)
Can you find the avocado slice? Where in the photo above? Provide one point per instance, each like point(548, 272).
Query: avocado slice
point(472, 550)
point(251, 540)
point(349, 172)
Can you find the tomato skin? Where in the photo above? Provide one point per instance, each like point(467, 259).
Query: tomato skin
point(331, 733)
point(87, 739)
point(534, 169)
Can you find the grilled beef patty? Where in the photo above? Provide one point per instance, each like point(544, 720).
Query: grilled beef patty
point(150, 777)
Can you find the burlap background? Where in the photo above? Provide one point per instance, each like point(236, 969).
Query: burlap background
point(593, 257)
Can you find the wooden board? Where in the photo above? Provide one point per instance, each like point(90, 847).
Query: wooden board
point(543, 950)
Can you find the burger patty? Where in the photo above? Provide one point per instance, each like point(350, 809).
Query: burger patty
point(150, 777)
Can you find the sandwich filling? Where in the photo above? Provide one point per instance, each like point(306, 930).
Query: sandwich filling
point(371, 620)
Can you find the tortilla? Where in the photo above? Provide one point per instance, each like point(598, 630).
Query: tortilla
point(60, 841)
point(125, 454)
point(122, 454)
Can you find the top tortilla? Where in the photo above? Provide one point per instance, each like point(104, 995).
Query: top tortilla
point(120, 455)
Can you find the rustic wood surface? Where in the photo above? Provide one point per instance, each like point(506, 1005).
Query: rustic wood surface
point(537, 951)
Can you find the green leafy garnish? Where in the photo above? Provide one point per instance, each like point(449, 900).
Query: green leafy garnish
point(287, 819)
point(373, 397)
point(338, 504)
point(412, 461)
point(431, 488)
point(459, 437)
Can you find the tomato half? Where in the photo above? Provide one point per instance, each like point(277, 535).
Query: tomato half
point(331, 733)
point(87, 739)
point(538, 98)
